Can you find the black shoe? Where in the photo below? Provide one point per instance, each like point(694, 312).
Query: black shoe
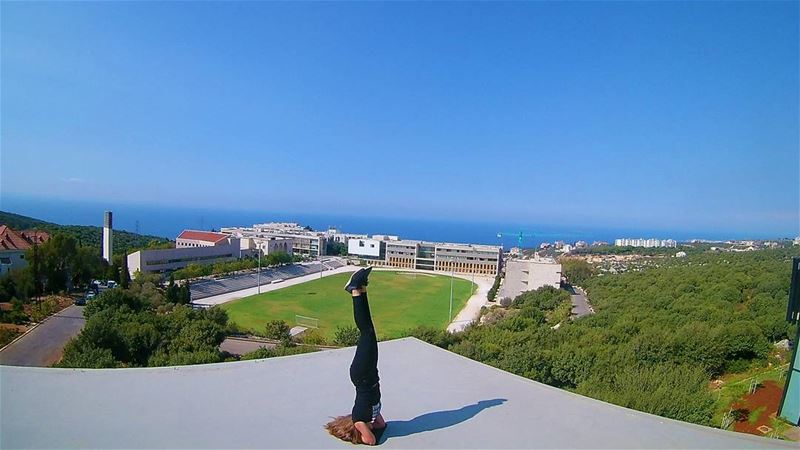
point(357, 279)
point(368, 270)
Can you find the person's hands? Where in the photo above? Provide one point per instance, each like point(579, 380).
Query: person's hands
point(368, 438)
point(366, 434)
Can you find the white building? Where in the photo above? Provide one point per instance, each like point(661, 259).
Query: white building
point(528, 275)
point(193, 238)
point(386, 237)
point(267, 245)
point(441, 256)
point(304, 242)
point(192, 247)
point(366, 248)
point(647, 243)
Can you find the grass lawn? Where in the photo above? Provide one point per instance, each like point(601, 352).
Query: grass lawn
point(398, 301)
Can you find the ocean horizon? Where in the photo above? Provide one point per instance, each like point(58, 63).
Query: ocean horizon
point(168, 222)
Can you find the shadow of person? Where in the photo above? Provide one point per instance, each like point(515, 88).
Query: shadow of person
point(437, 420)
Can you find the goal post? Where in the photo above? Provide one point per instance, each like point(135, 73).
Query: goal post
point(305, 321)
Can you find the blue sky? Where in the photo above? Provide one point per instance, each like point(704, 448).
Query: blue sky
point(634, 114)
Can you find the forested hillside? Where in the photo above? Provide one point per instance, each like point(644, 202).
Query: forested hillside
point(658, 336)
point(86, 235)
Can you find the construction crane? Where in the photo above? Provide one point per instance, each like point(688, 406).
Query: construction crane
point(520, 235)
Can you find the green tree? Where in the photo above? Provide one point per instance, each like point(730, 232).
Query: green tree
point(172, 292)
point(124, 276)
point(277, 329)
point(576, 270)
point(346, 336)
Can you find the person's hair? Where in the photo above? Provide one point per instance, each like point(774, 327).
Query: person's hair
point(343, 428)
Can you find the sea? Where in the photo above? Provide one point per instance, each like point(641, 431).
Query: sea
point(168, 221)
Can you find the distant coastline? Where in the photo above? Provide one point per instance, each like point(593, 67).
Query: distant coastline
point(168, 222)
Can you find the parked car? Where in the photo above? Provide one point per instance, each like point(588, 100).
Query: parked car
point(112, 284)
point(80, 301)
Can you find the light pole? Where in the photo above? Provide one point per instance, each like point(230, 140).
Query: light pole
point(452, 274)
point(259, 269)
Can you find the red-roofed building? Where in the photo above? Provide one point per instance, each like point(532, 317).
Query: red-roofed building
point(13, 245)
point(193, 238)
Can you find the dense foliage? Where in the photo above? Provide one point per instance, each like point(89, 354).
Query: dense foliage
point(280, 350)
point(336, 248)
point(60, 264)
point(493, 290)
point(278, 329)
point(576, 270)
point(124, 242)
point(657, 338)
point(346, 336)
point(132, 328)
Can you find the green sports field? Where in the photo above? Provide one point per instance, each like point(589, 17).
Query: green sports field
point(398, 301)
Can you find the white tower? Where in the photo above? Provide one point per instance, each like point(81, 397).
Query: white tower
point(108, 241)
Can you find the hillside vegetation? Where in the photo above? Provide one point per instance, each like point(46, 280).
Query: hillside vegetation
point(90, 236)
point(657, 338)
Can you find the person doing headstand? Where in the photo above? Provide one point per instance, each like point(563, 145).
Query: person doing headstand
point(365, 423)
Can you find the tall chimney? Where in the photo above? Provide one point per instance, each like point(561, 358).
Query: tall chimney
point(108, 239)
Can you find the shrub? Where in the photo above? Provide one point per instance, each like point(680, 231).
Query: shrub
point(277, 329)
point(346, 336)
point(313, 337)
point(7, 335)
point(280, 350)
point(435, 336)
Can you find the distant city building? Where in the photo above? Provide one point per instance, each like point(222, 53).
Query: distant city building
point(13, 245)
point(680, 255)
point(544, 245)
point(343, 238)
point(192, 247)
point(647, 243)
point(599, 243)
point(385, 237)
point(251, 246)
point(566, 248)
point(558, 244)
point(304, 242)
point(581, 244)
point(796, 241)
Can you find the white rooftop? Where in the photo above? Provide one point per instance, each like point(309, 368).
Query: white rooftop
point(431, 399)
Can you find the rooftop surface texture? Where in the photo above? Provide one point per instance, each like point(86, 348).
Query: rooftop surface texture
point(22, 240)
point(431, 399)
point(207, 236)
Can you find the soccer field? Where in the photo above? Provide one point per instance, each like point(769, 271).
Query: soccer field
point(398, 301)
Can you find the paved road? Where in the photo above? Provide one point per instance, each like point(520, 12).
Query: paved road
point(580, 305)
point(236, 346)
point(43, 346)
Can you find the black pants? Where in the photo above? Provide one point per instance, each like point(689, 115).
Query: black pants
point(364, 369)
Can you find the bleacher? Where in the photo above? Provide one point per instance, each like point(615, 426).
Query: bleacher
point(211, 287)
